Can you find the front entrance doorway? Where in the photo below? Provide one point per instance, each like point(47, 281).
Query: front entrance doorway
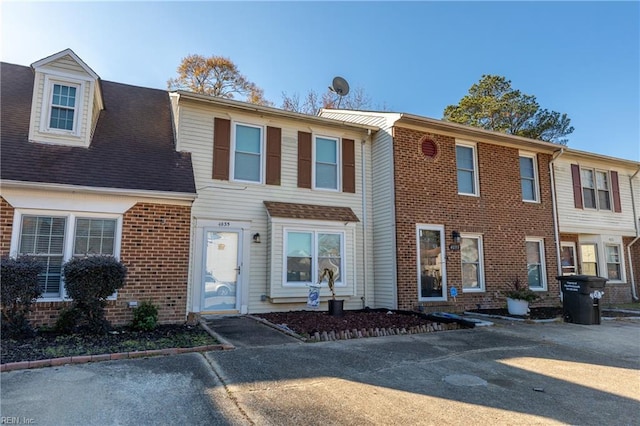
point(222, 269)
point(432, 276)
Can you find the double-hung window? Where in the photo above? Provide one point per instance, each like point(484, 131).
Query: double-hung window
point(595, 189)
point(614, 270)
point(248, 148)
point(63, 107)
point(54, 239)
point(308, 253)
point(326, 163)
point(472, 263)
point(536, 274)
point(467, 169)
point(528, 177)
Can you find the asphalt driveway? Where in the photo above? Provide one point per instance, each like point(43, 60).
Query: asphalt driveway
point(507, 374)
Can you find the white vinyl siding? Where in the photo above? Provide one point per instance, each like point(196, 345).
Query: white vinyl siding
point(236, 201)
point(383, 215)
point(593, 221)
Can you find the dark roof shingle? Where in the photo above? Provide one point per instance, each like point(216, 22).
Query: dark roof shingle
point(132, 147)
point(310, 211)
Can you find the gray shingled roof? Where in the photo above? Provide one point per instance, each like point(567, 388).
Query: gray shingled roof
point(310, 211)
point(133, 145)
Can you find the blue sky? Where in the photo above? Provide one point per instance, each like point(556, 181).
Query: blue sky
point(581, 58)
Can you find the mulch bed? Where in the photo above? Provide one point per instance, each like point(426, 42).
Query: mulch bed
point(47, 345)
point(320, 326)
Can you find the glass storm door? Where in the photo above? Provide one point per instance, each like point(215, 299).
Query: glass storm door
point(221, 270)
point(432, 275)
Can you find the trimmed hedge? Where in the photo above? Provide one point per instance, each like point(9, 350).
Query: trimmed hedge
point(19, 290)
point(89, 281)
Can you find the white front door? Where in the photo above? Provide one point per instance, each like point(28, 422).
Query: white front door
point(222, 269)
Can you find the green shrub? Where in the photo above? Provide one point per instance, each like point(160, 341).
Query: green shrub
point(19, 290)
point(145, 317)
point(89, 281)
point(67, 320)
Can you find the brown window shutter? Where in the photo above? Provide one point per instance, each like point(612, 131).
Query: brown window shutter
point(577, 186)
point(615, 190)
point(348, 166)
point(304, 160)
point(221, 142)
point(274, 148)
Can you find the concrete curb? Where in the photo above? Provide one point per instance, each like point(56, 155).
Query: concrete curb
point(54, 362)
point(225, 344)
point(279, 328)
point(476, 314)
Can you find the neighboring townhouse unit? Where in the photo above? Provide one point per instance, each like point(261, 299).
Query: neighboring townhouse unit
point(281, 196)
point(598, 211)
point(458, 213)
point(90, 167)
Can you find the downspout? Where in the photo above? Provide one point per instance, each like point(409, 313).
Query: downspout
point(365, 234)
point(634, 295)
point(554, 203)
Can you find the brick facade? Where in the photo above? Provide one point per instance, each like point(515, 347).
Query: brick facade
point(426, 193)
point(6, 226)
point(155, 249)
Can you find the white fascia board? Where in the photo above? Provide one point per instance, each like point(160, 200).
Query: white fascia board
point(143, 193)
point(245, 106)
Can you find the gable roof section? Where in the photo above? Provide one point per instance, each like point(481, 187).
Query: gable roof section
point(69, 52)
point(132, 148)
point(310, 212)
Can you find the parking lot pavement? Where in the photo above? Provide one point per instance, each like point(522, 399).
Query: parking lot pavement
point(507, 374)
point(511, 373)
point(176, 390)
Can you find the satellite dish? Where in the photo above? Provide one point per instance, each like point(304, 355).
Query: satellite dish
point(339, 86)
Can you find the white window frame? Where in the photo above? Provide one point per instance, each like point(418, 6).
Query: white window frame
point(232, 162)
point(47, 104)
point(620, 262)
point(597, 260)
point(536, 187)
point(571, 245)
point(595, 172)
point(476, 181)
point(338, 163)
point(543, 267)
point(481, 282)
point(314, 256)
point(69, 238)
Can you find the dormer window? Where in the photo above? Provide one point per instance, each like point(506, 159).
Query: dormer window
point(66, 101)
point(63, 107)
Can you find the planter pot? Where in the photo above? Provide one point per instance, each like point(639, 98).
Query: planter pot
point(517, 307)
point(336, 307)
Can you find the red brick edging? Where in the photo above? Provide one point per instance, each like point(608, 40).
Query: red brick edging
point(53, 362)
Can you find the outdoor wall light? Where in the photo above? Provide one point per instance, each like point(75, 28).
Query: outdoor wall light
point(256, 238)
point(455, 236)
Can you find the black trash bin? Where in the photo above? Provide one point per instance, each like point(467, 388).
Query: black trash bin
point(581, 298)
